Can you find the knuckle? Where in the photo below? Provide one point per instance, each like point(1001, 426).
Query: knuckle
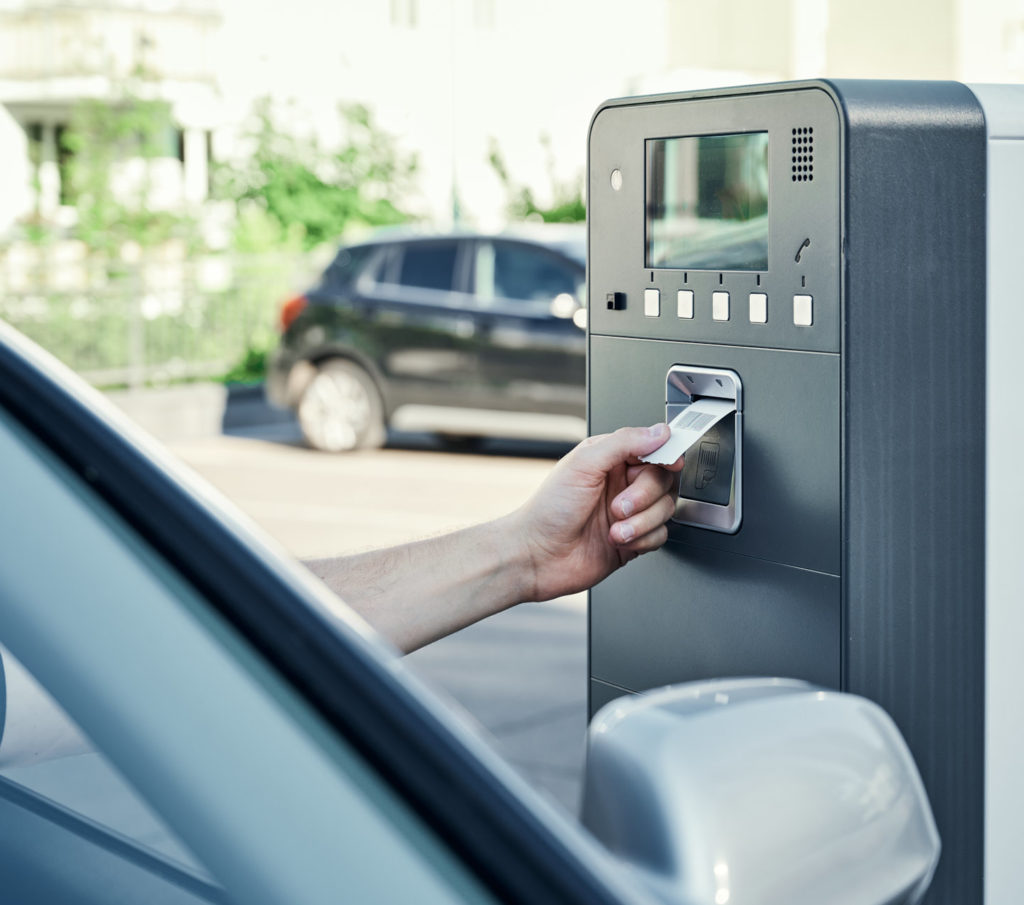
point(668, 507)
point(658, 537)
point(651, 541)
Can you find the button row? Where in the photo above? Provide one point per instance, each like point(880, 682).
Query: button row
point(803, 306)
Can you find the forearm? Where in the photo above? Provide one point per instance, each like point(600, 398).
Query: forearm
point(418, 592)
point(597, 509)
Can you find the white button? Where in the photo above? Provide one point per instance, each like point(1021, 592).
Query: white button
point(803, 310)
point(758, 308)
point(720, 306)
point(652, 302)
point(684, 303)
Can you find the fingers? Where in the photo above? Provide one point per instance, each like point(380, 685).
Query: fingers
point(606, 451)
point(642, 509)
point(646, 484)
point(639, 512)
point(645, 525)
point(651, 541)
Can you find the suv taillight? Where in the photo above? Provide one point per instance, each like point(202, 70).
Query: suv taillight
point(291, 310)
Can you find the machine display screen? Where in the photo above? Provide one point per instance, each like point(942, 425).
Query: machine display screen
point(707, 202)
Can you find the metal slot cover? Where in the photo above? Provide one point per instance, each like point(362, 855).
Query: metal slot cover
point(710, 485)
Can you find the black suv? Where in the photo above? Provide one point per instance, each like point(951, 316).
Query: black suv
point(464, 335)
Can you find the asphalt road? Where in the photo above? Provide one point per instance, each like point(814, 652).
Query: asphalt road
point(521, 675)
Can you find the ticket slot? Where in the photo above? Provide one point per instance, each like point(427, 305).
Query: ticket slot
point(708, 403)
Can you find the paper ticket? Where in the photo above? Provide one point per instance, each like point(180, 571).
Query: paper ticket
point(688, 427)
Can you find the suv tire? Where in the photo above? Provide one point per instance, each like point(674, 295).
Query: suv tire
point(341, 409)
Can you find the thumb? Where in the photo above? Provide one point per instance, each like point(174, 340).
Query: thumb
point(605, 451)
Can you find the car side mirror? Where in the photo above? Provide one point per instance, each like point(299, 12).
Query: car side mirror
point(763, 791)
point(564, 306)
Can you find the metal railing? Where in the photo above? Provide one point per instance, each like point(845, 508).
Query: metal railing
point(153, 320)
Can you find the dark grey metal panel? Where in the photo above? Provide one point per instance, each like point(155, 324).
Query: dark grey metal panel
point(798, 212)
point(914, 372)
point(686, 613)
point(877, 456)
point(791, 439)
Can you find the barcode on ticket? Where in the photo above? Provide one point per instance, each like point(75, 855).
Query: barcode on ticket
point(696, 420)
point(688, 427)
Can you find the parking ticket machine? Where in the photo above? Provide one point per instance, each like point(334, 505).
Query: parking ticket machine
point(823, 282)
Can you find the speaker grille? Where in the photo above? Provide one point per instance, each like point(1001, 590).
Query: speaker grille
point(803, 154)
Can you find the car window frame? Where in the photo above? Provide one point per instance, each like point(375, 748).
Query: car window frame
point(521, 849)
point(535, 309)
point(340, 276)
point(386, 286)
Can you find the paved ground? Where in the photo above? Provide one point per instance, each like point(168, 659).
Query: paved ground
point(521, 674)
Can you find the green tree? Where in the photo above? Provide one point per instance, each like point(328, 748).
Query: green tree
point(104, 136)
point(313, 194)
point(567, 204)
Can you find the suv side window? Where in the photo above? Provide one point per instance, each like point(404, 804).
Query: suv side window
point(531, 274)
point(428, 265)
point(347, 264)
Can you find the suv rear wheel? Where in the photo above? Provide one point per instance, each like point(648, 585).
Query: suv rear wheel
point(341, 409)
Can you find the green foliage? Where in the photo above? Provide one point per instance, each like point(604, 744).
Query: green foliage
point(257, 231)
point(573, 210)
point(38, 231)
point(290, 189)
point(252, 367)
point(115, 332)
point(567, 204)
point(103, 139)
point(124, 323)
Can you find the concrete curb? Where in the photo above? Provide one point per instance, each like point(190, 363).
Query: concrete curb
point(196, 410)
point(185, 412)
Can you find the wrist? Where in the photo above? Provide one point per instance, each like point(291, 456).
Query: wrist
point(515, 556)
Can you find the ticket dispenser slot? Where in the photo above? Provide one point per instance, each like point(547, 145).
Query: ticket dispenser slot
point(711, 482)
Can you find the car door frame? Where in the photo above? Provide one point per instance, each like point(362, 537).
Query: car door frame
point(517, 846)
point(532, 360)
point(425, 342)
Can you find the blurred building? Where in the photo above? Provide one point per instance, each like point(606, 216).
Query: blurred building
point(768, 40)
point(56, 53)
point(453, 79)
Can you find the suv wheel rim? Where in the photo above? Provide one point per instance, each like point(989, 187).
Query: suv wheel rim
point(335, 411)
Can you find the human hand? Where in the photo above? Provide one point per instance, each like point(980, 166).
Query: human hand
point(599, 508)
